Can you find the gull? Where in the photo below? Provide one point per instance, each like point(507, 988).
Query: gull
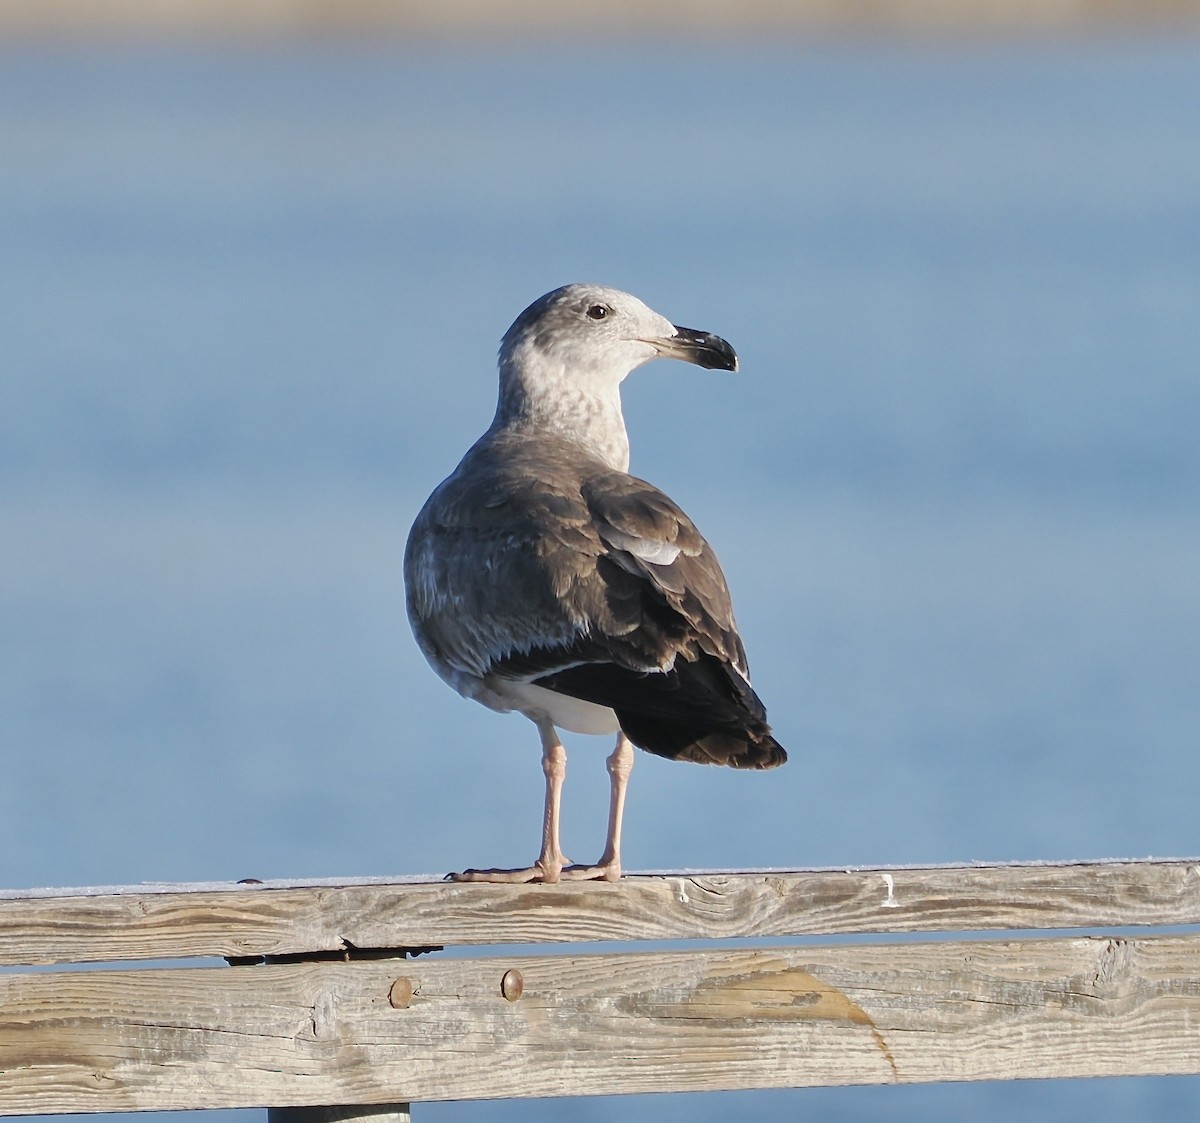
point(541, 577)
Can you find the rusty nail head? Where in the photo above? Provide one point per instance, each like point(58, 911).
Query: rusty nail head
point(401, 993)
point(512, 984)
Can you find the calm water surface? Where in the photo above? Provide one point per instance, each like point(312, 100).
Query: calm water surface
point(251, 304)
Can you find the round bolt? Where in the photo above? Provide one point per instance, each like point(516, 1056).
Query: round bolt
point(401, 994)
point(512, 985)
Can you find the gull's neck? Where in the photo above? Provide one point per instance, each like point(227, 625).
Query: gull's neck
point(534, 399)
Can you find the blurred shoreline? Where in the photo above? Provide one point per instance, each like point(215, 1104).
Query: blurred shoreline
point(23, 20)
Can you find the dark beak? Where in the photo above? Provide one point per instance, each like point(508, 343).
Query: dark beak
point(699, 347)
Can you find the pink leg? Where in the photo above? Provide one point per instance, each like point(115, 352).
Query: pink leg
point(549, 866)
point(620, 765)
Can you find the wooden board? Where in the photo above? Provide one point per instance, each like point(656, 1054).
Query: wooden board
point(440, 1028)
point(177, 922)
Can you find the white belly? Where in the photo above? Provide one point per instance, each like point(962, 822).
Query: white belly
point(572, 714)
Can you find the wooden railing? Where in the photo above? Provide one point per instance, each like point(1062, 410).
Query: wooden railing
point(319, 993)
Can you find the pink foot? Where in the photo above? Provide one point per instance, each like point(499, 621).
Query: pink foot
point(545, 873)
point(605, 871)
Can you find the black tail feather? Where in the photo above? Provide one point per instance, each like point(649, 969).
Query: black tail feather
point(701, 711)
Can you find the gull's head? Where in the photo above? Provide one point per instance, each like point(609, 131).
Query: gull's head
point(592, 336)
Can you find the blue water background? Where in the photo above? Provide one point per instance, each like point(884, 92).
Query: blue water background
point(250, 304)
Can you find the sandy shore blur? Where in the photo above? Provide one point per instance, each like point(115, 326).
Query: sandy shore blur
point(614, 19)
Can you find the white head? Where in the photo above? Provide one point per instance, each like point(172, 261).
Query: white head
point(564, 358)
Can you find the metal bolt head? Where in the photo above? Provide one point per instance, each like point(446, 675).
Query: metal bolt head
point(401, 993)
point(512, 985)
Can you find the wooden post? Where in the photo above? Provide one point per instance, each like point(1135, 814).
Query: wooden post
point(350, 1113)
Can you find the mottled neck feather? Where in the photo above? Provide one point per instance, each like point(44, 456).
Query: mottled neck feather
point(586, 414)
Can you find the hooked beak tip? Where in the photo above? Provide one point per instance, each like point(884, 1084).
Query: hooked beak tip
point(699, 347)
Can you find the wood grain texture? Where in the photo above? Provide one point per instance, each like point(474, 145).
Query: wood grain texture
point(604, 1023)
point(267, 920)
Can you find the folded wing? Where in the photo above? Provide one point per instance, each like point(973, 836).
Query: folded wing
point(596, 586)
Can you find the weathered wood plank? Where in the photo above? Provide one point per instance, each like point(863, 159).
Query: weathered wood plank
point(430, 1029)
point(265, 920)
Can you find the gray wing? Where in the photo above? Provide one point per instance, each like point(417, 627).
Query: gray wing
point(502, 561)
point(673, 599)
point(662, 578)
point(592, 583)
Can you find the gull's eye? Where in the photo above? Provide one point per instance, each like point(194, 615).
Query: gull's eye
point(598, 311)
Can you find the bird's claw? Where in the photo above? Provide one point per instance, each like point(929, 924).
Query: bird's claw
point(540, 874)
